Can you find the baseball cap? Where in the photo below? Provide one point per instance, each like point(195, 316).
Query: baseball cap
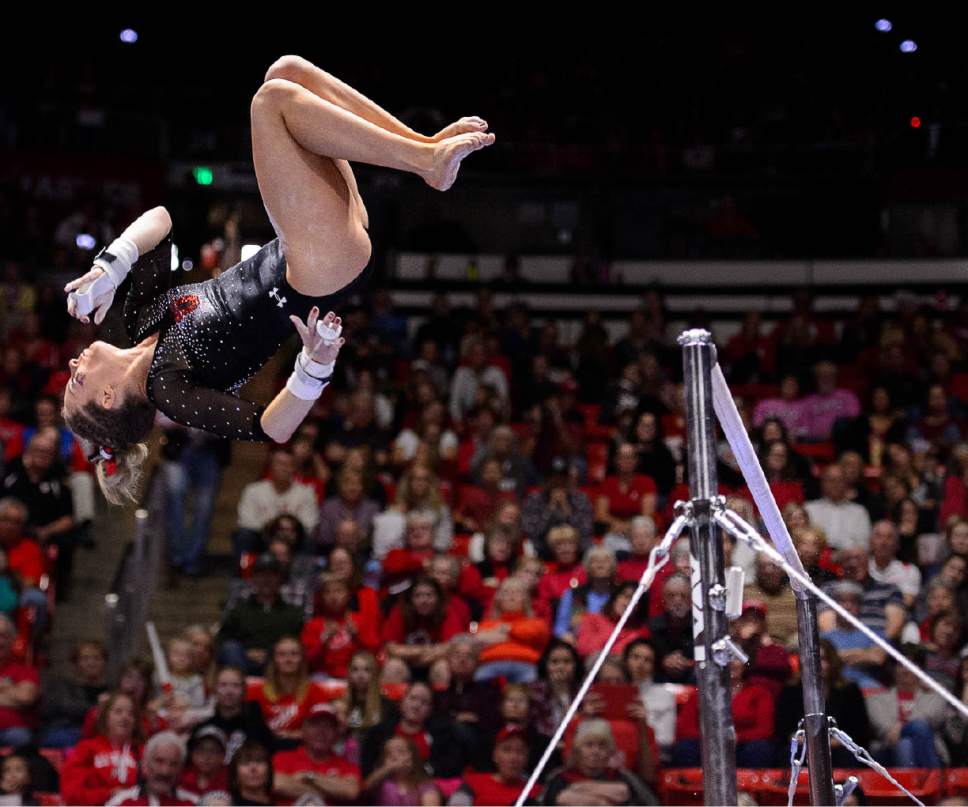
point(755, 605)
point(213, 732)
point(511, 732)
point(324, 710)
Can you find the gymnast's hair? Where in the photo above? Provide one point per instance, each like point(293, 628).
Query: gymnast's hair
point(119, 433)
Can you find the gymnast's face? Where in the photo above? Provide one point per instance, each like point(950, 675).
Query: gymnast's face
point(95, 376)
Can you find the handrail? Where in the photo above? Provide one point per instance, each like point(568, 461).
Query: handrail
point(126, 604)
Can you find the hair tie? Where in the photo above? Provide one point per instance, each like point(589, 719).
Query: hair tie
point(107, 459)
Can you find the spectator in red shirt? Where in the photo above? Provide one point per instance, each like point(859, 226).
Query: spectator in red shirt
point(331, 638)
point(161, 768)
point(401, 566)
point(504, 785)
point(478, 503)
point(19, 691)
point(286, 695)
point(565, 571)
point(753, 716)
point(594, 629)
point(25, 558)
point(498, 563)
point(781, 474)
point(206, 770)
point(446, 570)
point(313, 769)
point(134, 680)
point(108, 763)
point(419, 626)
point(11, 432)
point(623, 496)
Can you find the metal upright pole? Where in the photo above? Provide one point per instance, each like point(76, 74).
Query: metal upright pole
point(710, 625)
point(814, 708)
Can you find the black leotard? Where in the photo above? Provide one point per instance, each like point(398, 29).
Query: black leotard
point(214, 336)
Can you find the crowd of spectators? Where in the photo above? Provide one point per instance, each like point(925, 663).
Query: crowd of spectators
point(422, 575)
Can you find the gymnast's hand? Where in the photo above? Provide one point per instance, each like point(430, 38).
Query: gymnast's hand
point(101, 303)
point(320, 347)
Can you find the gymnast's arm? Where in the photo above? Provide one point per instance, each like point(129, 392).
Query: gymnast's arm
point(149, 229)
point(142, 236)
point(287, 410)
point(284, 414)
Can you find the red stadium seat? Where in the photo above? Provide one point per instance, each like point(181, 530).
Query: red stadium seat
point(751, 780)
point(681, 786)
point(925, 784)
point(685, 785)
point(774, 784)
point(956, 782)
point(49, 799)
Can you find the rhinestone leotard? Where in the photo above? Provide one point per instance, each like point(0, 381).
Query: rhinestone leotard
point(214, 336)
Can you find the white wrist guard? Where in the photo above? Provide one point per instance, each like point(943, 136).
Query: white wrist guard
point(117, 259)
point(313, 367)
point(309, 378)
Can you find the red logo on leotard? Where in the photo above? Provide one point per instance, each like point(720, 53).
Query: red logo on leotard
point(183, 306)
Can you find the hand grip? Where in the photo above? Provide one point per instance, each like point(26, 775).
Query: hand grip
point(85, 298)
point(329, 335)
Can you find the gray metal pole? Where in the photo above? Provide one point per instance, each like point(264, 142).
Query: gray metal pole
point(710, 625)
point(814, 708)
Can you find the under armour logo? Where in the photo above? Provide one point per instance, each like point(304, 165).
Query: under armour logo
point(274, 294)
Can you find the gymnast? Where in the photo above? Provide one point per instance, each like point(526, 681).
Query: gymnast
point(195, 345)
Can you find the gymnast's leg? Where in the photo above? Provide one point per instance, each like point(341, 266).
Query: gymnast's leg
point(298, 139)
point(328, 87)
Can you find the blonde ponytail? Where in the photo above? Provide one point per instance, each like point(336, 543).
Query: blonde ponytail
point(120, 477)
point(118, 436)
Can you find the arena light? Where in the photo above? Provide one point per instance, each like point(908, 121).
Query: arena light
point(85, 241)
point(908, 46)
point(187, 265)
point(884, 26)
point(129, 36)
point(915, 122)
point(248, 250)
point(203, 175)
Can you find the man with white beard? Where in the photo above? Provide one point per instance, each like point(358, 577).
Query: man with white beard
point(672, 632)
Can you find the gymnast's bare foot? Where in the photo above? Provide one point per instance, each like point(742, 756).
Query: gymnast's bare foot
point(464, 125)
point(447, 157)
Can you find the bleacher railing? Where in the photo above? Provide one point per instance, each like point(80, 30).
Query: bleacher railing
point(126, 605)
